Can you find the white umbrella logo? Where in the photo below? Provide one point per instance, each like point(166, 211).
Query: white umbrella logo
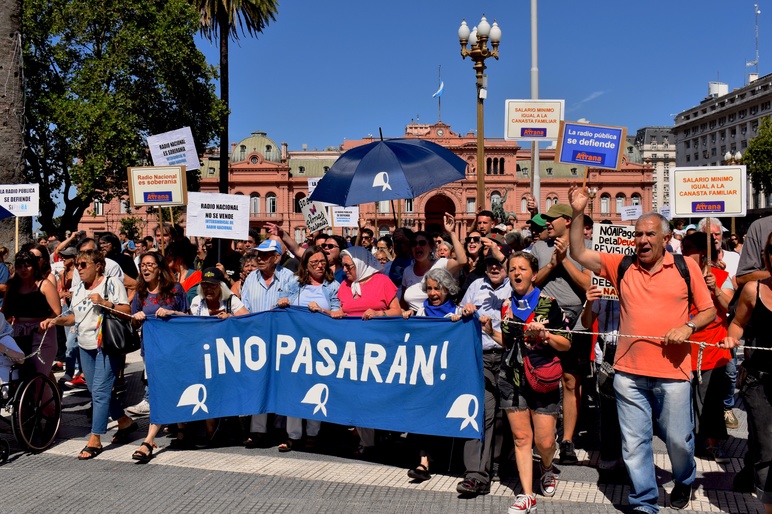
point(382, 179)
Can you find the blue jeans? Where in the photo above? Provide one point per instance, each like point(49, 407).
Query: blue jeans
point(72, 354)
point(668, 402)
point(100, 371)
point(731, 374)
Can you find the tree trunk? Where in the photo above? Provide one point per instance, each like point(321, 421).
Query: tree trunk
point(224, 29)
point(11, 114)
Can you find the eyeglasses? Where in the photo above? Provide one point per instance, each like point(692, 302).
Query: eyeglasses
point(419, 242)
point(472, 239)
point(316, 264)
point(82, 265)
point(148, 265)
point(329, 246)
point(349, 266)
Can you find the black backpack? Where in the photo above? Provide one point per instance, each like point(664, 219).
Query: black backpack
point(680, 263)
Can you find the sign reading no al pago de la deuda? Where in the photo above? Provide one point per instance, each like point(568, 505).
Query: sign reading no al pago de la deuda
point(158, 186)
point(595, 146)
point(708, 190)
point(533, 120)
point(618, 239)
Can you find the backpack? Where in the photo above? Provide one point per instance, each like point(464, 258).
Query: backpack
point(680, 262)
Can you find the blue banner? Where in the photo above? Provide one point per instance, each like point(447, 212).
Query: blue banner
point(422, 375)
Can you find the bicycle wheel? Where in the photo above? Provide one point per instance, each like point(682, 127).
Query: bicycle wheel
point(37, 412)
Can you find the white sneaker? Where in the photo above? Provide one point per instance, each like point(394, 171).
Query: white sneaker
point(140, 409)
point(549, 481)
point(524, 504)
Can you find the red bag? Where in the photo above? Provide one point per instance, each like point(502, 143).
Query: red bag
point(544, 378)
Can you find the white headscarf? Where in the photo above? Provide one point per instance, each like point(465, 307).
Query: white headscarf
point(366, 265)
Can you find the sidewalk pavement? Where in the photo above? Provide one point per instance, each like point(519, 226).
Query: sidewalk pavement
point(236, 479)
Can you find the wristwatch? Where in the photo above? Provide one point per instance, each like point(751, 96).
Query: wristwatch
point(691, 325)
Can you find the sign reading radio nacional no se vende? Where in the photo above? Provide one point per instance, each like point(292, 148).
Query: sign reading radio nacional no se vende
point(157, 186)
point(708, 191)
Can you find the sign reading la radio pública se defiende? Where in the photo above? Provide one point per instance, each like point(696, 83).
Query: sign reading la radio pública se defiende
point(708, 190)
point(595, 146)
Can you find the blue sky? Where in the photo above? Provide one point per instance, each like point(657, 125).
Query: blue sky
point(328, 71)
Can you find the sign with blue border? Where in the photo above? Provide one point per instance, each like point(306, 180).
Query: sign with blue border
point(594, 146)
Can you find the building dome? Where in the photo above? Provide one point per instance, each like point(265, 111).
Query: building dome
point(257, 142)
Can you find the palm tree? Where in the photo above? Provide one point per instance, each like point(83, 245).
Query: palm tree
point(11, 109)
point(223, 19)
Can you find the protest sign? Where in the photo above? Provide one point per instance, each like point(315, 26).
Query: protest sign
point(345, 216)
point(607, 289)
point(595, 146)
point(533, 120)
point(631, 212)
point(174, 148)
point(315, 215)
point(157, 186)
point(665, 211)
point(421, 375)
point(708, 191)
point(218, 215)
point(613, 239)
point(21, 200)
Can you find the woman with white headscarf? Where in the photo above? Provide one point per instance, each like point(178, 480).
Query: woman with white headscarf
point(365, 292)
point(368, 293)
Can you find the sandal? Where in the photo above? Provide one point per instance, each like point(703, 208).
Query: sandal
point(90, 451)
point(256, 440)
point(287, 445)
point(420, 473)
point(180, 442)
point(122, 435)
point(142, 456)
point(311, 443)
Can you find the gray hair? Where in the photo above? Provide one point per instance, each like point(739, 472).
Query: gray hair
point(662, 220)
point(443, 278)
point(703, 224)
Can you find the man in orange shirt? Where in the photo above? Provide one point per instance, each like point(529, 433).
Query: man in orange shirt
point(653, 365)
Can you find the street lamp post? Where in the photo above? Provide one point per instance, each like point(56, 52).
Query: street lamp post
point(592, 193)
point(478, 51)
point(731, 160)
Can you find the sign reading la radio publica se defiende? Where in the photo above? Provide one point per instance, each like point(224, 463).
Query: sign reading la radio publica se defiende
point(158, 186)
point(595, 146)
point(708, 190)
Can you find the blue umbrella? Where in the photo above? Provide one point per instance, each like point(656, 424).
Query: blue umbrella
point(388, 170)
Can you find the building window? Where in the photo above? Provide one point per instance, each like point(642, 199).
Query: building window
point(242, 152)
point(620, 203)
point(688, 158)
point(687, 144)
point(549, 171)
point(298, 197)
point(383, 206)
point(636, 199)
point(124, 207)
point(573, 172)
point(99, 208)
point(268, 149)
point(605, 204)
point(524, 205)
point(300, 235)
point(254, 203)
point(301, 169)
point(270, 203)
point(488, 166)
point(408, 205)
point(653, 156)
point(471, 205)
point(326, 169)
point(211, 170)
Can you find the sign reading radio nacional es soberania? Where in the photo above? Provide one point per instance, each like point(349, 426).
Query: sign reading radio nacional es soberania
point(533, 120)
point(595, 146)
point(708, 191)
point(157, 186)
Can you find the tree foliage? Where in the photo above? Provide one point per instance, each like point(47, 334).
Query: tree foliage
point(100, 78)
point(758, 158)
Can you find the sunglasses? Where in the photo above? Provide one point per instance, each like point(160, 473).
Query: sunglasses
point(349, 266)
point(148, 265)
point(497, 231)
point(419, 242)
point(82, 265)
point(472, 239)
point(329, 246)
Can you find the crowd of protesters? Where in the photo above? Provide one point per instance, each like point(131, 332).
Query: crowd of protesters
point(553, 347)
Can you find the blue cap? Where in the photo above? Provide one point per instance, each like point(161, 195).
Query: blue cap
point(269, 245)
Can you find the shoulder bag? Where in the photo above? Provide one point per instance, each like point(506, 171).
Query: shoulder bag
point(116, 333)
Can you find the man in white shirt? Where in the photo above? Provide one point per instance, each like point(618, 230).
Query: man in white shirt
point(726, 259)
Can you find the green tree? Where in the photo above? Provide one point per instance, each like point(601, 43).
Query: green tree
point(223, 19)
point(758, 158)
point(100, 78)
point(11, 110)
